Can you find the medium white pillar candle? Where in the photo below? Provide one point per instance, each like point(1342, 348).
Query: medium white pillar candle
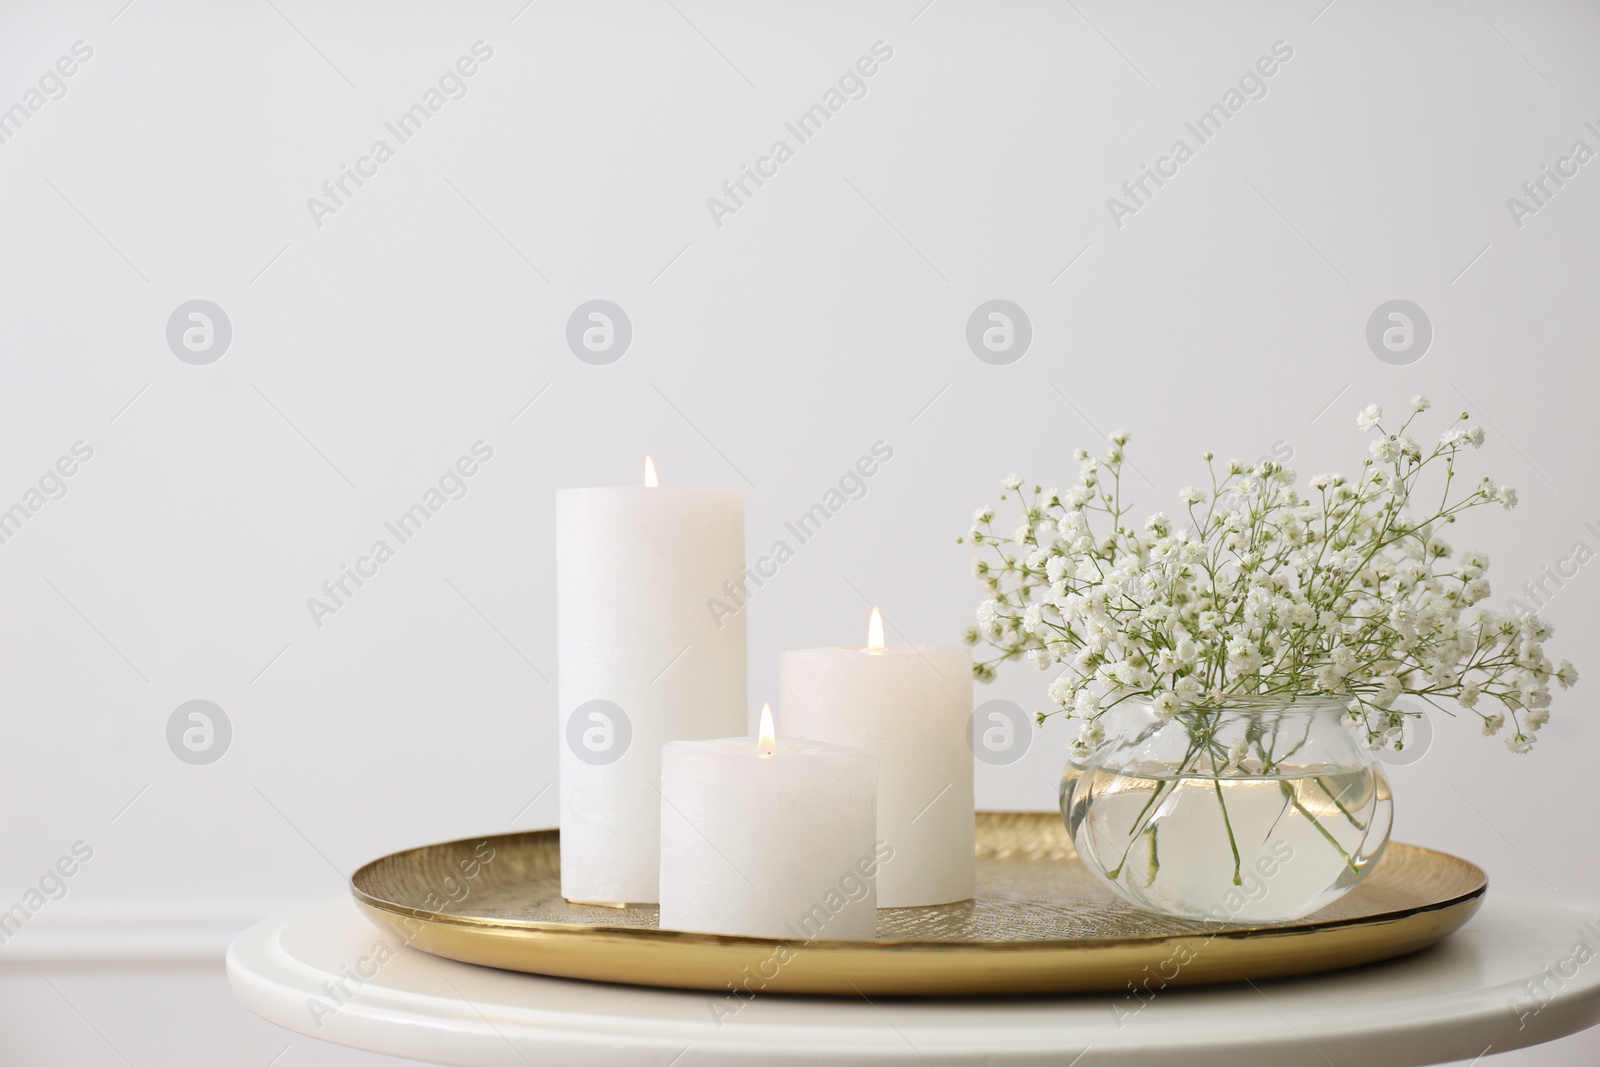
point(640, 662)
point(910, 705)
point(769, 839)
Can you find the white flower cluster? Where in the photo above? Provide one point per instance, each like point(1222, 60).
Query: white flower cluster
point(1265, 591)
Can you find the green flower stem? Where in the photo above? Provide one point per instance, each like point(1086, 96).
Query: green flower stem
point(1217, 785)
point(1139, 825)
point(1357, 823)
point(1288, 792)
point(1140, 822)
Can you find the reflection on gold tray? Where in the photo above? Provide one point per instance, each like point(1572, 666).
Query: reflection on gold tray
point(1039, 923)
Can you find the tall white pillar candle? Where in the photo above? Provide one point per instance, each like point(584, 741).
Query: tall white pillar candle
point(640, 662)
point(910, 705)
point(769, 839)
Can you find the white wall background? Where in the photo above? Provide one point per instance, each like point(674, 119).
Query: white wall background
point(829, 312)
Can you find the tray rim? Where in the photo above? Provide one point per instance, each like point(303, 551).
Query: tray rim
point(1295, 928)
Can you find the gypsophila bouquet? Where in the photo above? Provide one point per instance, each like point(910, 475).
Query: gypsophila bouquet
point(1347, 590)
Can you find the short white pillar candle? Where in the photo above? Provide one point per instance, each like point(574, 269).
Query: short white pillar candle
point(911, 705)
point(765, 838)
point(639, 662)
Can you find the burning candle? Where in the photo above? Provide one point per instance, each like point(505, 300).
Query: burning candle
point(640, 663)
point(763, 837)
point(910, 706)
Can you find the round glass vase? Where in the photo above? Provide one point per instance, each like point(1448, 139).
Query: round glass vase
point(1259, 810)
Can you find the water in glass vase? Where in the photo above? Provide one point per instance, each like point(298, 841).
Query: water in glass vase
point(1250, 849)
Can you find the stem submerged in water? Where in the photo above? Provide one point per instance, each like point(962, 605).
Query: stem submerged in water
point(1234, 845)
point(1139, 825)
point(1142, 820)
point(1289, 794)
point(1357, 823)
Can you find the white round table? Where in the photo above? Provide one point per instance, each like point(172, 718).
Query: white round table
point(315, 971)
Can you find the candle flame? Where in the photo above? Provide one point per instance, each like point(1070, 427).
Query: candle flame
point(650, 479)
point(768, 742)
point(875, 629)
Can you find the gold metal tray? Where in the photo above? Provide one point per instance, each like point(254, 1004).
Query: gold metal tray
point(1039, 923)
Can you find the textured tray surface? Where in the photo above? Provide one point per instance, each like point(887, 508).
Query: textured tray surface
point(1038, 922)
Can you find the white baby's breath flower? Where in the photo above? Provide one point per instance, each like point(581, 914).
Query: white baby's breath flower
point(1347, 590)
point(1420, 403)
point(1013, 481)
point(1062, 690)
point(1165, 704)
point(1534, 627)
